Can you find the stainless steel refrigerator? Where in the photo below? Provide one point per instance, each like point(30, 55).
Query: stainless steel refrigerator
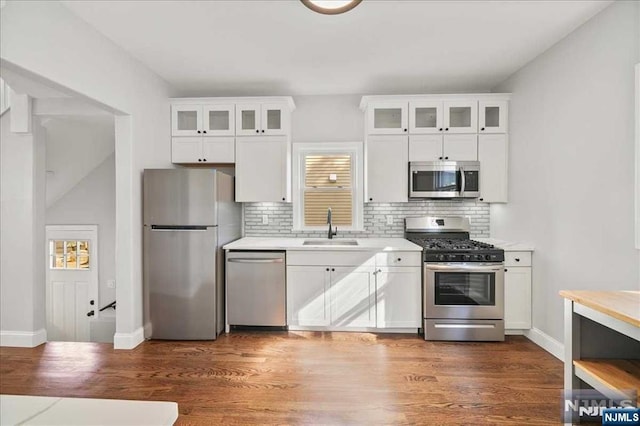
point(189, 214)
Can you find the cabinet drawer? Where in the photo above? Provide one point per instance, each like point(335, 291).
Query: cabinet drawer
point(330, 258)
point(399, 258)
point(517, 258)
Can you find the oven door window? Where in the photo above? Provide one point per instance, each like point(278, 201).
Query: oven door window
point(435, 181)
point(465, 288)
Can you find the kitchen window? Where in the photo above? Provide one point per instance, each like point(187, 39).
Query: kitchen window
point(327, 175)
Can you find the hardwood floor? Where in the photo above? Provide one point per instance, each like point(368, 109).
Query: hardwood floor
point(305, 378)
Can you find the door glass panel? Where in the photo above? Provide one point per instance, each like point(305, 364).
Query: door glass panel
point(426, 117)
point(83, 254)
point(387, 118)
point(460, 117)
point(443, 181)
point(248, 119)
point(273, 119)
point(465, 288)
point(492, 116)
point(218, 120)
point(187, 120)
point(69, 254)
point(57, 254)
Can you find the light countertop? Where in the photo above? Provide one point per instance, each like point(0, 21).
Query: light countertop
point(52, 411)
point(507, 245)
point(367, 244)
point(623, 305)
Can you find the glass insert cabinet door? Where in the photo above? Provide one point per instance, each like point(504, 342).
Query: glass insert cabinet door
point(388, 118)
point(425, 117)
point(186, 120)
point(218, 120)
point(492, 117)
point(460, 116)
point(260, 119)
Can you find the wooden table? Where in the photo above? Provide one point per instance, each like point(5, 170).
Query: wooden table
point(602, 340)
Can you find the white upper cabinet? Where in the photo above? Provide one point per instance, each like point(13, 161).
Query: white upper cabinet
point(493, 156)
point(460, 116)
point(263, 171)
point(204, 130)
point(217, 120)
point(492, 117)
point(426, 117)
point(443, 147)
point(202, 120)
point(186, 120)
point(262, 119)
point(202, 150)
point(387, 169)
point(388, 118)
point(460, 148)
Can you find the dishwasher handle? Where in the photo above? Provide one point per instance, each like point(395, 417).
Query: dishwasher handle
point(254, 260)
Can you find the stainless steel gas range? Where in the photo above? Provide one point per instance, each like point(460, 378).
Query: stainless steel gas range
point(463, 281)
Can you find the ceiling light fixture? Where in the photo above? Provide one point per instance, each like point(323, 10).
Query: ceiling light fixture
point(331, 7)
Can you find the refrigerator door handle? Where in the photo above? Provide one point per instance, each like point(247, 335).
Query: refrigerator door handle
point(177, 228)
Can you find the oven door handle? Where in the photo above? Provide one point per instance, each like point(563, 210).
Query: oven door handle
point(464, 267)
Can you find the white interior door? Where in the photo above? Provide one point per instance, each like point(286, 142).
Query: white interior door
point(72, 281)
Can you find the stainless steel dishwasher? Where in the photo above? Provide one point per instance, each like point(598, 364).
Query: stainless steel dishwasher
point(256, 288)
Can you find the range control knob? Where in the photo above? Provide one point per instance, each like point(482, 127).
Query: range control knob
point(487, 257)
point(441, 257)
point(467, 257)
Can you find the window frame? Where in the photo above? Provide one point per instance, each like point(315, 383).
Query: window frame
point(355, 149)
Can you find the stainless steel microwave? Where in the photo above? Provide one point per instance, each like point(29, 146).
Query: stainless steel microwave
point(444, 179)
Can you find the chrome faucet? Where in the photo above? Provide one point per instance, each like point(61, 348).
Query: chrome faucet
point(331, 231)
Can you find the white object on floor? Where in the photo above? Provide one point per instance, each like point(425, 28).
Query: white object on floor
point(52, 411)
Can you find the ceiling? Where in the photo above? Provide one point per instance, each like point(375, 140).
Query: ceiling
point(279, 47)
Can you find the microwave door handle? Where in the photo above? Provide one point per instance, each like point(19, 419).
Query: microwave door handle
point(462, 181)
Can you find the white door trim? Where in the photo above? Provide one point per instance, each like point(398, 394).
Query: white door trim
point(94, 292)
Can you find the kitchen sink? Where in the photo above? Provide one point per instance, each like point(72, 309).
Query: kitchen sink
point(330, 243)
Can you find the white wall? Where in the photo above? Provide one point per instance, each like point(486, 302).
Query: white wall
point(571, 179)
point(75, 146)
point(46, 40)
point(92, 202)
point(327, 119)
point(22, 194)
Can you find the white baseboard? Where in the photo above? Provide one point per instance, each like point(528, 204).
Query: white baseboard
point(128, 340)
point(513, 332)
point(148, 330)
point(23, 339)
point(546, 342)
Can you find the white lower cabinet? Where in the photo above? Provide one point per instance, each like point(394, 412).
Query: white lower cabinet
point(307, 294)
point(360, 289)
point(352, 296)
point(517, 290)
point(398, 297)
point(330, 296)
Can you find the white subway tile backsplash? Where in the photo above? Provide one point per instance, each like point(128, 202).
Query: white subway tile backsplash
point(375, 218)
